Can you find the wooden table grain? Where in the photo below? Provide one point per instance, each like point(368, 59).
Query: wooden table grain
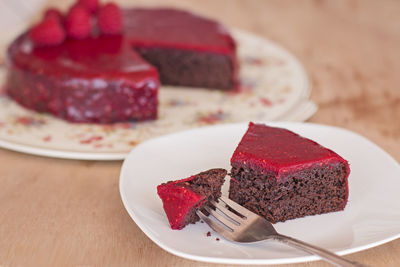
point(56, 212)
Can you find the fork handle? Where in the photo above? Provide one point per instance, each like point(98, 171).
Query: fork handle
point(324, 254)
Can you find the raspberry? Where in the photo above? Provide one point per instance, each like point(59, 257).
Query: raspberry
point(109, 19)
point(48, 32)
point(78, 22)
point(91, 5)
point(53, 13)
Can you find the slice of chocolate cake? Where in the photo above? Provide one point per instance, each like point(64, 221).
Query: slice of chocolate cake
point(281, 175)
point(181, 198)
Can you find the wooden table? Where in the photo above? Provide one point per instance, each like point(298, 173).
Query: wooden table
point(57, 212)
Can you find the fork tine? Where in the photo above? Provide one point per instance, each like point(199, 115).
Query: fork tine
point(236, 207)
point(221, 218)
point(217, 227)
point(227, 212)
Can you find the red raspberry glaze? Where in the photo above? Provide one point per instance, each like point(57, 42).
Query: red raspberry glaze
point(280, 151)
point(178, 201)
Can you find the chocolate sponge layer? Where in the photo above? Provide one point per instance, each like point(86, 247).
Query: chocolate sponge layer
point(316, 190)
point(191, 68)
point(208, 184)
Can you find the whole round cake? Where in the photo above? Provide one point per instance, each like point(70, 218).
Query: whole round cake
point(105, 78)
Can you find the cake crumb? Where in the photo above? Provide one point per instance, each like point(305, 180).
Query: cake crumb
point(208, 233)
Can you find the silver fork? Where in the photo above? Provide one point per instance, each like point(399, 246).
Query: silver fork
point(241, 225)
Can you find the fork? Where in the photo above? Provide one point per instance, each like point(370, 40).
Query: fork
point(236, 223)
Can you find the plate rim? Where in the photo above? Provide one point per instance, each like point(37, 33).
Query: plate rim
point(61, 154)
point(234, 261)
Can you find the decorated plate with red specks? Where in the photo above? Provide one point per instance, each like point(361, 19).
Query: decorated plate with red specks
point(273, 86)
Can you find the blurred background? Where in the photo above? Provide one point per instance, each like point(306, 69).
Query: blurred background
point(350, 49)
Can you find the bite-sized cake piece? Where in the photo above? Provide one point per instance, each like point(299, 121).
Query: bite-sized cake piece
point(97, 79)
point(187, 49)
point(281, 176)
point(181, 198)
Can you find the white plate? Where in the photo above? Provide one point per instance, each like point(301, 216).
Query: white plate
point(371, 218)
point(274, 87)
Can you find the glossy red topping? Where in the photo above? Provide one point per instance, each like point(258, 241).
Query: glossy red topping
point(91, 57)
point(280, 150)
point(176, 29)
point(178, 202)
point(86, 56)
